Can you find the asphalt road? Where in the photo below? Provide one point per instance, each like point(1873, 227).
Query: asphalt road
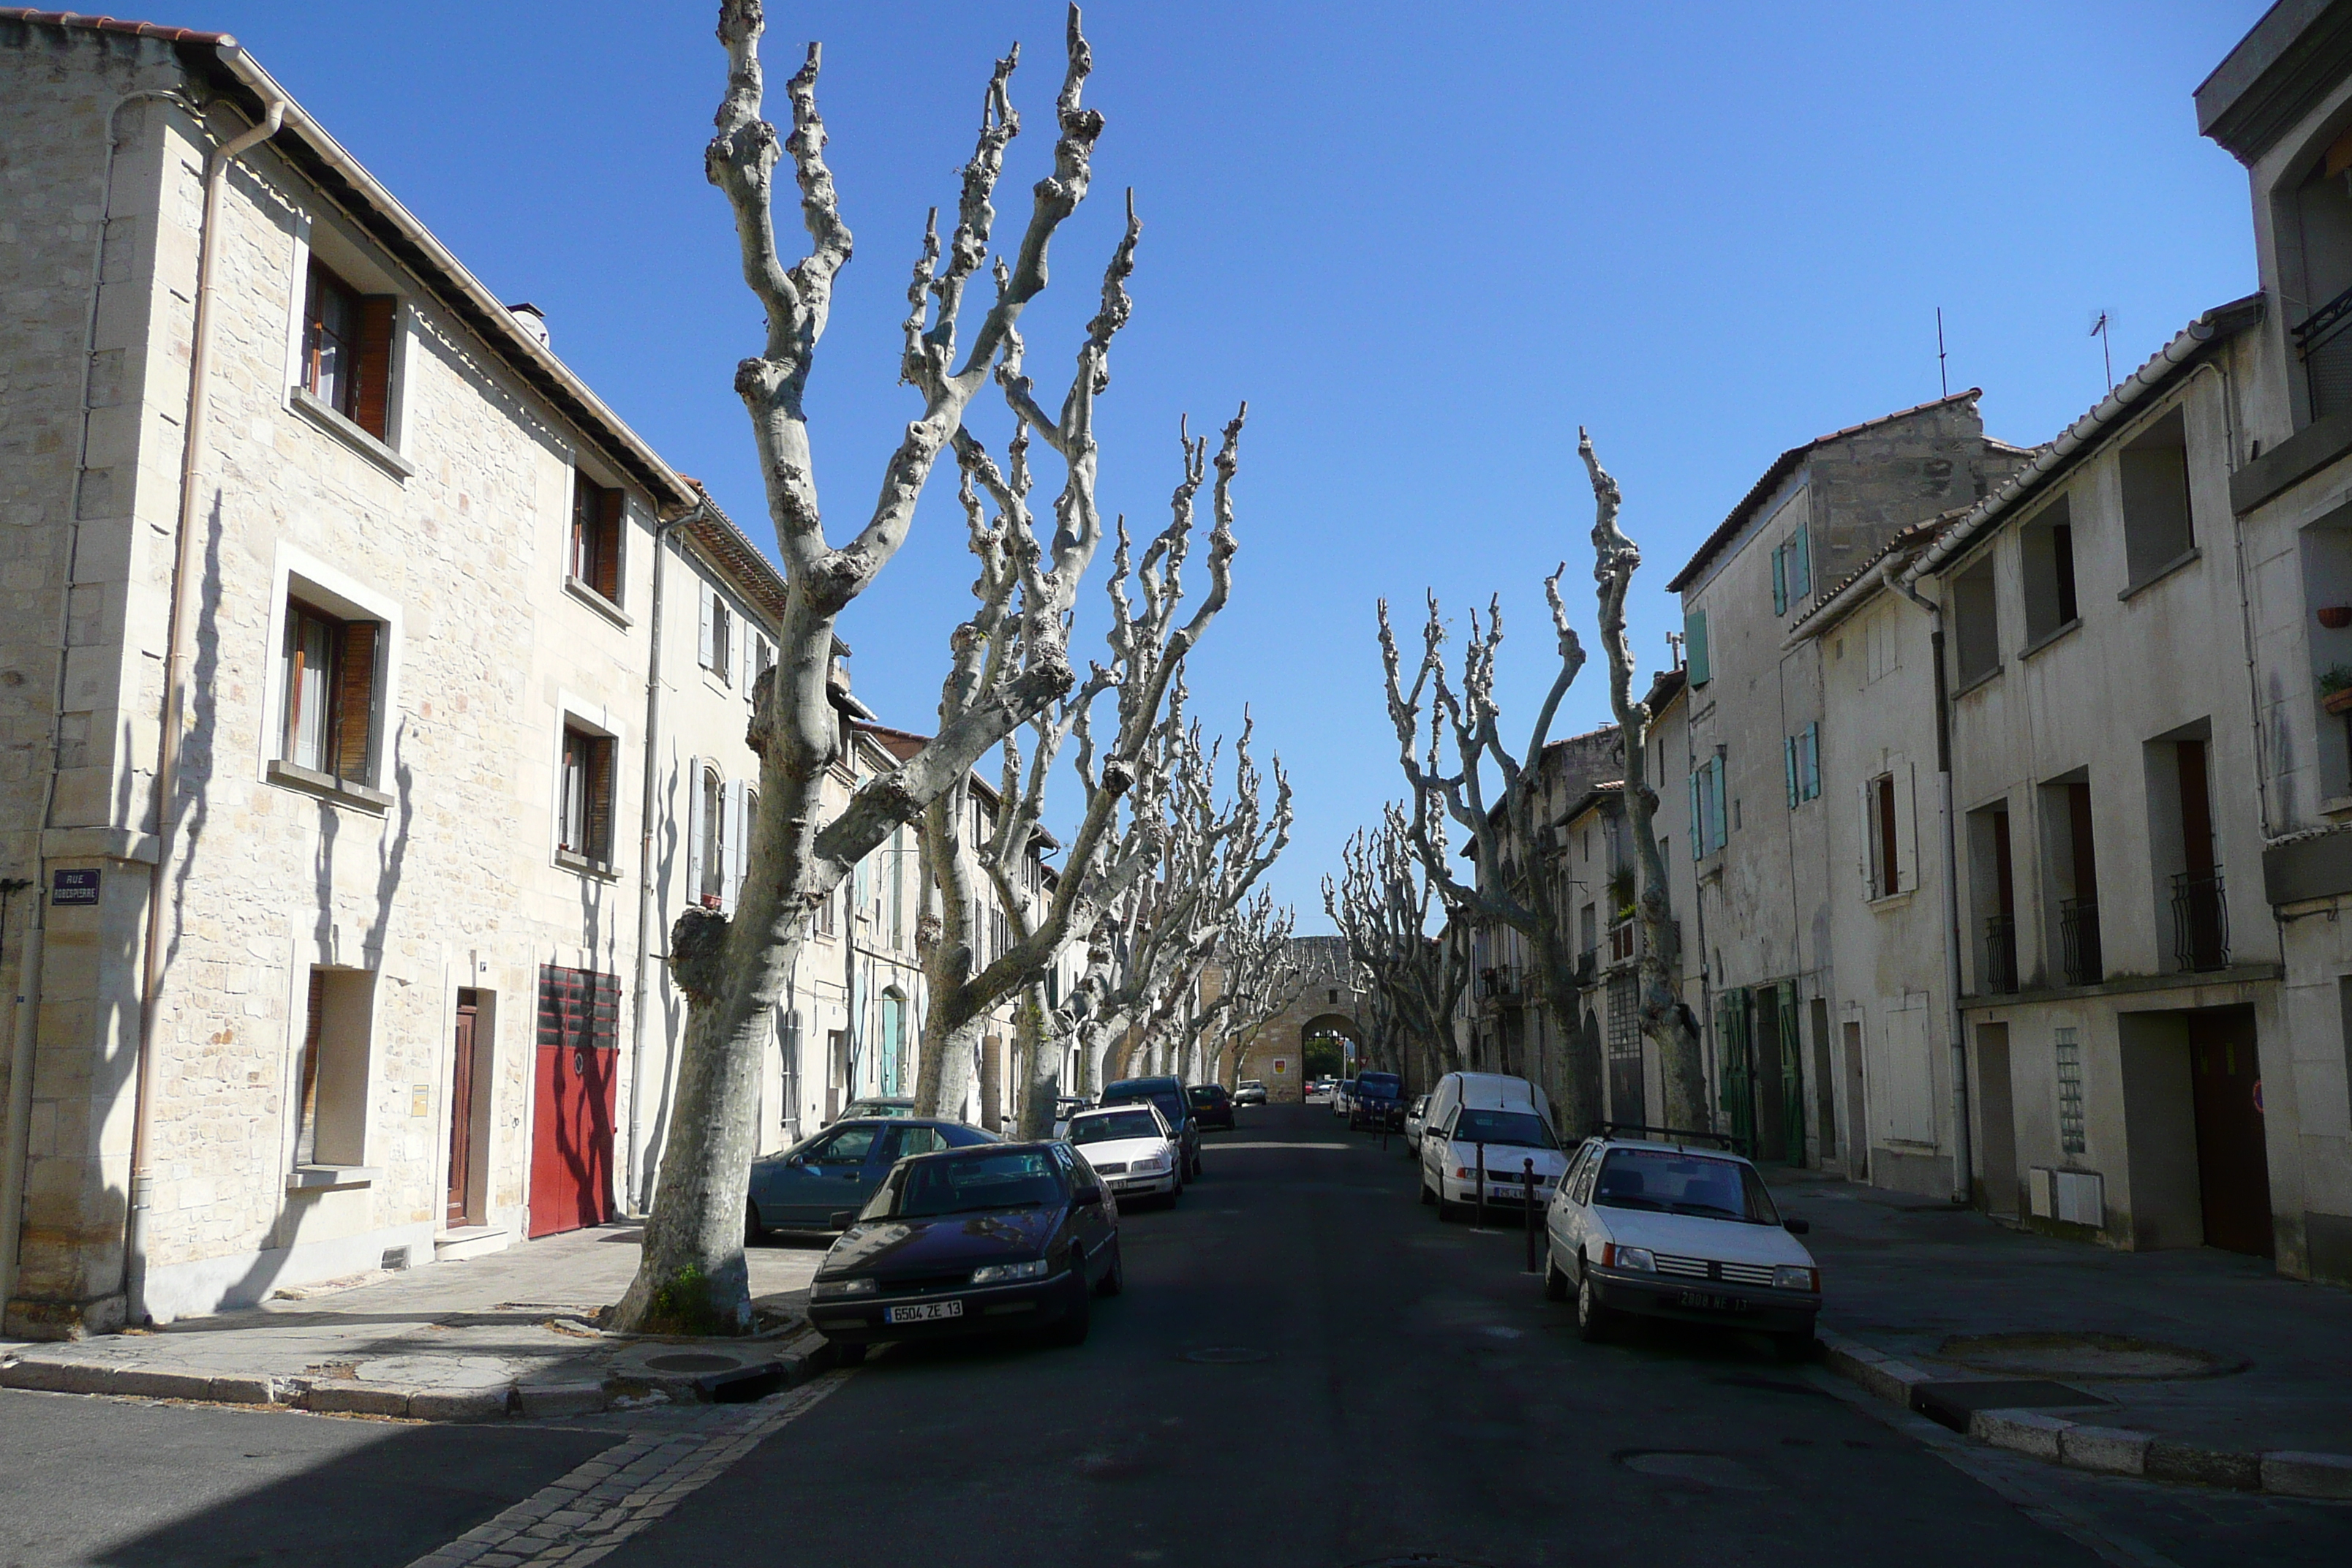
point(1307, 1368)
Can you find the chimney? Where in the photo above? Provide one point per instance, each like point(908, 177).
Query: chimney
point(532, 320)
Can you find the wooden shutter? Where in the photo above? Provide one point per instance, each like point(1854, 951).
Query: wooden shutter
point(599, 838)
point(1868, 859)
point(306, 1101)
point(1694, 646)
point(1800, 563)
point(1812, 756)
point(354, 725)
point(697, 837)
point(707, 654)
point(1698, 834)
point(1789, 766)
point(1780, 580)
point(373, 396)
point(608, 544)
point(1722, 824)
point(1906, 828)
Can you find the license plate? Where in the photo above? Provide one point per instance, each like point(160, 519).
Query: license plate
point(1707, 1302)
point(923, 1312)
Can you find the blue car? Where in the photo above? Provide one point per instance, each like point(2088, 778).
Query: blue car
point(1378, 1100)
point(809, 1185)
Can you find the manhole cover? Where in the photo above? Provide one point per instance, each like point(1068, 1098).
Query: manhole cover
point(2085, 1354)
point(692, 1361)
point(1420, 1560)
point(1228, 1355)
point(1717, 1470)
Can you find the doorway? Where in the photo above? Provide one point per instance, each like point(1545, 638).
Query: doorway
point(1996, 1120)
point(459, 1209)
point(1825, 1110)
point(2233, 1164)
point(572, 1099)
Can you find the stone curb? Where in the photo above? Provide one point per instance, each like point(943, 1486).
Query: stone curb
point(2104, 1450)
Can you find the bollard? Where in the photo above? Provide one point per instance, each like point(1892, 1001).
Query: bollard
point(1482, 1186)
point(1528, 1176)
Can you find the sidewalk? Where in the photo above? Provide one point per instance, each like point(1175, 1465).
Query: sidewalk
point(508, 1333)
point(2195, 1364)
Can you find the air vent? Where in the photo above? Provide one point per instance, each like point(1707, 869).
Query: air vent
point(395, 1258)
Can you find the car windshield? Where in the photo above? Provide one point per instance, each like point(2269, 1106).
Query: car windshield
point(1520, 1129)
point(1138, 1123)
point(1387, 1085)
point(1672, 1182)
point(1172, 1106)
point(881, 1107)
point(968, 1183)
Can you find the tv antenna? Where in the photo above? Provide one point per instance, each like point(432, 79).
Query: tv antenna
point(1943, 381)
point(2099, 325)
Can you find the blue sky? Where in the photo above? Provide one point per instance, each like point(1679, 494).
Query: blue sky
point(1424, 242)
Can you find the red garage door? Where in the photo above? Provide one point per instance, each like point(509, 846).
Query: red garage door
point(571, 1100)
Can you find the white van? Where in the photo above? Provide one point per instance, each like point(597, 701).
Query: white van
point(1506, 1118)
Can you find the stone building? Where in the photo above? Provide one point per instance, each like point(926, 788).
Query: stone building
point(1327, 1002)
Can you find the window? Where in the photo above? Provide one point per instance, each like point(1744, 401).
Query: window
point(1890, 857)
point(895, 887)
point(586, 819)
point(2047, 545)
point(825, 922)
point(347, 349)
point(331, 671)
point(1975, 625)
point(2071, 1139)
point(595, 536)
point(1883, 647)
point(1793, 571)
point(2156, 526)
point(718, 650)
point(1694, 646)
point(1707, 817)
point(330, 1078)
point(763, 659)
point(1801, 755)
point(748, 812)
point(707, 841)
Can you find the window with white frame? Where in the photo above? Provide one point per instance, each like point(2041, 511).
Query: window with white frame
point(1710, 820)
point(331, 678)
point(707, 840)
point(717, 652)
point(1890, 857)
point(584, 799)
point(1801, 755)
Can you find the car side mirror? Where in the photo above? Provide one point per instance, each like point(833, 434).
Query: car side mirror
point(1089, 1191)
point(1798, 1226)
point(841, 1219)
point(797, 1160)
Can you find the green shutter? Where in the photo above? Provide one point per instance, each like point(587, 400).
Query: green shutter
point(1789, 766)
point(1715, 792)
point(1697, 824)
point(1694, 646)
point(1801, 568)
point(1780, 580)
point(1812, 761)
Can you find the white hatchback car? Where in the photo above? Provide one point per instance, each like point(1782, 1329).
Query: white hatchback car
point(1492, 1122)
point(1667, 1231)
point(1130, 1148)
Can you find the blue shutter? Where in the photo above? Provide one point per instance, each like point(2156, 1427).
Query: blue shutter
point(1800, 566)
point(1789, 766)
point(1694, 646)
point(1722, 819)
point(1697, 824)
point(1781, 581)
point(1812, 761)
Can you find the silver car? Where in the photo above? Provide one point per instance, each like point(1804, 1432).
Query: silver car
point(1250, 1092)
point(1416, 1117)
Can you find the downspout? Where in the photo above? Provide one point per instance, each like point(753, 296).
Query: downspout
point(16, 1131)
point(646, 848)
point(1963, 1164)
point(167, 760)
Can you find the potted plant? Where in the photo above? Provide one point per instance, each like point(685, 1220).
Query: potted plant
point(2336, 617)
point(2336, 688)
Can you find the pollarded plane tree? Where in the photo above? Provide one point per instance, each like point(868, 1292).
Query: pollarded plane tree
point(1671, 1029)
point(1382, 903)
point(691, 1276)
point(1147, 644)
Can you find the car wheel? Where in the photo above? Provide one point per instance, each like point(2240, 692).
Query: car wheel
point(1794, 1347)
point(1426, 1197)
point(848, 1355)
point(1196, 1167)
point(1114, 1280)
point(1072, 1328)
point(754, 1232)
point(1555, 1282)
point(1592, 1318)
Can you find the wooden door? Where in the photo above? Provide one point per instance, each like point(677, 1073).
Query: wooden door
point(461, 1111)
point(572, 1138)
point(2233, 1174)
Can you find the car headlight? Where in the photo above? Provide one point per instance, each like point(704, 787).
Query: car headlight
point(863, 1286)
point(1790, 1276)
point(1638, 1258)
point(1005, 1273)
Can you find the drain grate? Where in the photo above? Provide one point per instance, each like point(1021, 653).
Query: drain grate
point(1231, 1355)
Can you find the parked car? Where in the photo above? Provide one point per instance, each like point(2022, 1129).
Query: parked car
point(874, 1105)
point(1211, 1105)
point(1341, 1092)
point(837, 1168)
point(1249, 1091)
point(1665, 1231)
point(1415, 1118)
point(969, 1241)
point(1377, 1101)
point(1167, 1094)
point(1506, 1122)
point(1132, 1148)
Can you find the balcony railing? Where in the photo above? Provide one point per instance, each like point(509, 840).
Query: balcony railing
point(2078, 935)
point(2201, 921)
point(2001, 954)
point(1499, 984)
point(2324, 341)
